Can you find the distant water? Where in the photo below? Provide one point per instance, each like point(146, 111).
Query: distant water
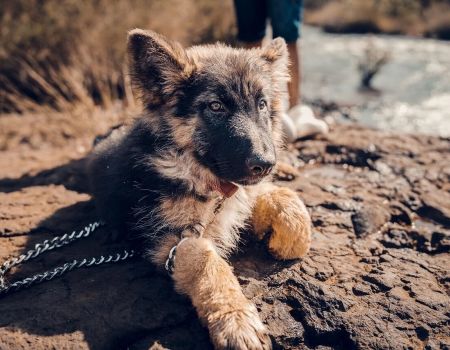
point(414, 84)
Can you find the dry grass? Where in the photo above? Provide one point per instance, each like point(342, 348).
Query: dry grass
point(60, 54)
point(65, 54)
point(412, 17)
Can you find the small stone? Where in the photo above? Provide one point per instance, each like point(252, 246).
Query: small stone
point(369, 219)
point(370, 260)
point(436, 205)
point(384, 281)
point(386, 258)
point(362, 289)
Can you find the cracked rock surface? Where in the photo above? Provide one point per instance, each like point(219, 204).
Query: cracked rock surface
point(377, 276)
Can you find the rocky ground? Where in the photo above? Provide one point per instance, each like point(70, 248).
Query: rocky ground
point(377, 276)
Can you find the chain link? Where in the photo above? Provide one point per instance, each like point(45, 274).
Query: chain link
point(48, 245)
point(197, 229)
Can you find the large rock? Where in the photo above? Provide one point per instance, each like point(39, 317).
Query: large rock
point(377, 276)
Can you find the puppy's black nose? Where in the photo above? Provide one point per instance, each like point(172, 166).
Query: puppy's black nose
point(258, 166)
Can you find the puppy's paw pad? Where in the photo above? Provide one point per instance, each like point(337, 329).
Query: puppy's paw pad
point(240, 330)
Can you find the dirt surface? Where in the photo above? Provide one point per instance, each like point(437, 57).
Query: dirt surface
point(377, 276)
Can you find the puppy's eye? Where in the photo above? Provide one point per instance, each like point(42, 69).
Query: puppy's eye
point(215, 106)
point(262, 105)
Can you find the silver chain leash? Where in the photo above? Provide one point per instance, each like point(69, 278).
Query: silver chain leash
point(60, 241)
point(50, 244)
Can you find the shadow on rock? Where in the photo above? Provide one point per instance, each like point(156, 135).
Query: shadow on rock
point(124, 305)
point(71, 175)
point(104, 307)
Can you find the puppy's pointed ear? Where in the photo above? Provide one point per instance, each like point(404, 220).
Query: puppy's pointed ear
point(275, 51)
point(276, 56)
point(157, 66)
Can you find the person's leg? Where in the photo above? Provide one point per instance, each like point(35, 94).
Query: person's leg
point(252, 44)
point(294, 85)
point(251, 18)
point(285, 17)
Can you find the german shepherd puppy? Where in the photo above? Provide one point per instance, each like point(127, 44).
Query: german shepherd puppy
point(196, 165)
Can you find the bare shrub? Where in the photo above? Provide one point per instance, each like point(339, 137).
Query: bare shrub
point(57, 53)
point(372, 60)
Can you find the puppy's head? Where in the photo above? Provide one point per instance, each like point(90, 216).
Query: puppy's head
point(221, 103)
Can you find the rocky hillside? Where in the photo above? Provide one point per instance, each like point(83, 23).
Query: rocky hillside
point(377, 276)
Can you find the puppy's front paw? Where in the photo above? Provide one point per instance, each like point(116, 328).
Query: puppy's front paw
point(239, 330)
point(284, 215)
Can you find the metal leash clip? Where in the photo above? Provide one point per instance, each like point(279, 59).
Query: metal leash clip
point(195, 230)
point(170, 262)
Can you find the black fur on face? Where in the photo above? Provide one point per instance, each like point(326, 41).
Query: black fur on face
point(230, 97)
point(234, 136)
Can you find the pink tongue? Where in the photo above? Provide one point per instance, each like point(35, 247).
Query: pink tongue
point(227, 188)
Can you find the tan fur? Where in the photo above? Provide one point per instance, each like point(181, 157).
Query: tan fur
point(176, 165)
point(207, 279)
point(224, 230)
point(202, 274)
point(281, 213)
point(161, 253)
point(186, 211)
point(157, 346)
point(182, 131)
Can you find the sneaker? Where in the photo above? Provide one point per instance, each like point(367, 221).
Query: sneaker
point(305, 122)
point(289, 129)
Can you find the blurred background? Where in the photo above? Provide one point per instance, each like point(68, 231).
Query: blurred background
point(383, 63)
